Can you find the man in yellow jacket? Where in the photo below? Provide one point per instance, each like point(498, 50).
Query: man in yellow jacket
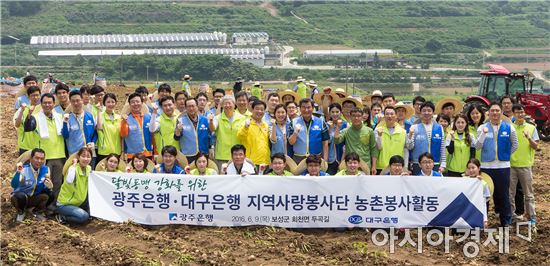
point(254, 135)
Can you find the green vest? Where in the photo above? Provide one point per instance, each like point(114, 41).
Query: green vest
point(54, 146)
point(165, 135)
point(524, 156)
point(457, 161)
point(75, 194)
point(285, 173)
point(257, 91)
point(109, 140)
point(391, 145)
point(473, 131)
point(301, 90)
point(26, 140)
point(226, 134)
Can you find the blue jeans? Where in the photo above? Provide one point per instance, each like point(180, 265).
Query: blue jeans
point(501, 179)
point(73, 214)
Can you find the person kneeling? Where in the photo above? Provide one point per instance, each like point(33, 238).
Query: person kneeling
point(169, 163)
point(352, 165)
point(426, 165)
point(238, 164)
point(31, 186)
point(72, 202)
point(278, 164)
point(313, 163)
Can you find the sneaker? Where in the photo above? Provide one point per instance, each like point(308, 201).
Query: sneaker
point(39, 217)
point(518, 218)
point(20, 217)
point(60, 219)
point(532, 221)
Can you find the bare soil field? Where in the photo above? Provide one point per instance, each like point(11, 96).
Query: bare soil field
point(106, 243)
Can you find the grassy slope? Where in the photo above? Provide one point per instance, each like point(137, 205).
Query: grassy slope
point(395, 25)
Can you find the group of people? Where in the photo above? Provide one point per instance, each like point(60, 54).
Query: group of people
point(64, 134)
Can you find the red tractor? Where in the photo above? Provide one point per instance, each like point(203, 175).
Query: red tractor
point(499, 81)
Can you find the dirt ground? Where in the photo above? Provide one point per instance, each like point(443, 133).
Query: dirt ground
point(106, 243)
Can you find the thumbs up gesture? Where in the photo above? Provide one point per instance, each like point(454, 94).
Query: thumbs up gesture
point(128, 169)
point(23, 106)
point(272, 121)
point(452, 134)
point(297, 128)
point(339, 122)
point(48, 181)
point(19, 166)
point(330, 124)
point(411, 132)
point(379, 131)
point(66, 118)
point(485, 130)
point(210, 117)
point(247, 123)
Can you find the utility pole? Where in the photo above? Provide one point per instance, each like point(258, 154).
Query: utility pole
point(346, 74)
point(120, 68)
point(147, 72)
point(14, 49)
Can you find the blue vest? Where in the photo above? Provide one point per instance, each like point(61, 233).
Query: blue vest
point(309, 140)
point(335, 151)
point(279, 145)
point(421, 144)
point(504, 143)
point(407, 125)
point(133, 143)
point(73, 133)
point(176, 169)
point(267, 118)
point(194, 139)
point(30, 183)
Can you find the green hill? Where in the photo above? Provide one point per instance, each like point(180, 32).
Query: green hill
point(406, 27)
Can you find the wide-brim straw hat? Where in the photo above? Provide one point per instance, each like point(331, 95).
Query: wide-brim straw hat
point(24, 158)
point(292, 93)
point(102, 165)
point(69, 162)
point(459, 105)
point(302, 166)
point(300, 79)
point(181, 160)
point(407, 107)
point(362, 165)
point(341, 92)
point(150, 166)
point(376, 93)
point(311, 83)
point(257, 83)
point(318, 98)
point(211, 165)
point(186, 77)
point(357, 102)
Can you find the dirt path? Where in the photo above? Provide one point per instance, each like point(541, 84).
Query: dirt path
point(270, 8)
point(105, 243)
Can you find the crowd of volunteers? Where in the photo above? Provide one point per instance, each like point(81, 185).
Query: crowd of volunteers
point(65, 133)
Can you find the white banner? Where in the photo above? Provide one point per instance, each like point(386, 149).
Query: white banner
point(295, 202)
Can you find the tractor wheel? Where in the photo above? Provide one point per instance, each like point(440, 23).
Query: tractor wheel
point(544, 133)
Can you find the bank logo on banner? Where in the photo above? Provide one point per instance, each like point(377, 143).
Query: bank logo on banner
point(461, 210)
point(355, 219)
point(172, 216)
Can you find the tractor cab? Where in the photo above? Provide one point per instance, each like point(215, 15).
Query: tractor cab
point(498, 82)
